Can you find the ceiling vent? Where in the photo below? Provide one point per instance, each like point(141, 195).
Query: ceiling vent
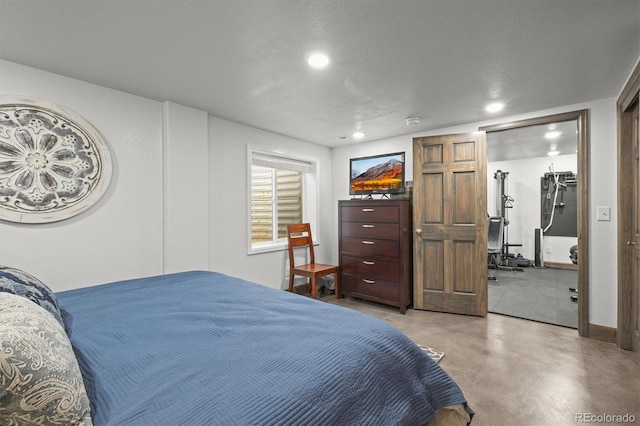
point(412, 121)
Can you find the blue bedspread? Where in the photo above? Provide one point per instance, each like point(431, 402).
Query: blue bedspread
point(202, 348)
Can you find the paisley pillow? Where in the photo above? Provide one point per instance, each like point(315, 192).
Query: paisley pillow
point(18, 282)
point(40, 380)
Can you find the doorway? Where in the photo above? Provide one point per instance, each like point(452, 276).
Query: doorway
point(532, 192)
point(521, 238)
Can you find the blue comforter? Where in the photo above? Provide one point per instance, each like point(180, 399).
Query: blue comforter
point(202, 348)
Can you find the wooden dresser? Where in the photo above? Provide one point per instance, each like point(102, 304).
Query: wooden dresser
point(375, 249)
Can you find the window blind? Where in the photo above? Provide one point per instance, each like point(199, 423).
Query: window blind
point(274, 189)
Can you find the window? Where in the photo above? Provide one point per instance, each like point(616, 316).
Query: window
point(278, 196)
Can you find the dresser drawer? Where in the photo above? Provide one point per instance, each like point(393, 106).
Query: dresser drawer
point(370, 214)
point(371, 246)
point(386, 231)
point(388, 290)
point(370, 268)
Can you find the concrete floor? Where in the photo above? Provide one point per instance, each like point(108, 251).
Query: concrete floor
point(518, 372)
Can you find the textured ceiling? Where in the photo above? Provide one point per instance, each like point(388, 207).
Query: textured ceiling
point(531, 142)
point(244, 60)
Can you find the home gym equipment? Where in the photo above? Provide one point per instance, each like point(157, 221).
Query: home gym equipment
point(558, 208)
point(538, 237)
point(573, 255)
point(506, 260)
point(559, 214)
point(495, 226)
point(574, 297)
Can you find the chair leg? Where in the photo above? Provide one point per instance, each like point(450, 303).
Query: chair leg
point(290, 281)
point(337, 285)
point(314, 287)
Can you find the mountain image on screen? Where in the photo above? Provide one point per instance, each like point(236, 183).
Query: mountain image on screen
point(383, 176)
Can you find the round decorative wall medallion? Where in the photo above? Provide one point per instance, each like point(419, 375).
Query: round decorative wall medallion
point(53, 164)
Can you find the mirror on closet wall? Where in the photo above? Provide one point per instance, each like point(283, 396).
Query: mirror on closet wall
point(532, 184)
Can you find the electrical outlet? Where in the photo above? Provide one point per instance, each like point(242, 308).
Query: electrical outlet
point(547, 250)
point(603, 213)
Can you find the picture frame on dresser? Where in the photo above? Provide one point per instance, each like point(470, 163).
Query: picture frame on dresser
point(375, 251)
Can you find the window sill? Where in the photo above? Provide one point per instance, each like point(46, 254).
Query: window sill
point(268, 247)
point(271, 247)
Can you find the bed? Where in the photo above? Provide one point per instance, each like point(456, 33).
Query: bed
point(204, 348)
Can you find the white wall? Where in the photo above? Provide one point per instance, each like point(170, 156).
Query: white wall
point(602, 192)
point(121, 236)
point(185, 185)
point(229, 203)
point(524, 187)
point(177, 199)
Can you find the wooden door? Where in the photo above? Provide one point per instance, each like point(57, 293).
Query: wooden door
point(634, 241)
point(450, 223)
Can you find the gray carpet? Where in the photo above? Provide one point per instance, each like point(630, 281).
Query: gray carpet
point(539, 294)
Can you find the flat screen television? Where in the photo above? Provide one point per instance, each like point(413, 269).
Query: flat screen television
point(377, 174)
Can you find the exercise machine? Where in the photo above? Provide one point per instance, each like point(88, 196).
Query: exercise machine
point(506, 260)
point(495, 226)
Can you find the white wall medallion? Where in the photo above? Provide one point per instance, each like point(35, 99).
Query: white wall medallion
point(53, 163)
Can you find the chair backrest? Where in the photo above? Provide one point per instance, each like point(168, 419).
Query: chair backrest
point(299, 235)
point(494, 238)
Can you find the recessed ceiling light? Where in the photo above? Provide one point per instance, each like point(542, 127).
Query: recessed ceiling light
point(317, 59)
point(553, 153)
point(552, 135)
point(494, 107)
point(358, 135)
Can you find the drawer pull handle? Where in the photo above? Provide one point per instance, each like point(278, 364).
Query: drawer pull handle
point(368, 262)
point(366, 281)
point(368, 226)
point(368, 210)
point(368, 242)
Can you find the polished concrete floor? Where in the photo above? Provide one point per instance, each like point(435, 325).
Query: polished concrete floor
point(518, 372)
point(539, 294)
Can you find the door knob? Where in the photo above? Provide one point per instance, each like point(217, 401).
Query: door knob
point(418, 231)
point(631, 243)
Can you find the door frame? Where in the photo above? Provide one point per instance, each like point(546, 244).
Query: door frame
point(582, 120)
point(628, 98)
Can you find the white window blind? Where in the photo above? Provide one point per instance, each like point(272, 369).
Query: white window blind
point(276, 195)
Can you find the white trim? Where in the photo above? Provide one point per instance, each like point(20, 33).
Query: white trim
point(280, 162)
point(275, 246)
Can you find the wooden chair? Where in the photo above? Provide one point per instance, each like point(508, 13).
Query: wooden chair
point(299, 235)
